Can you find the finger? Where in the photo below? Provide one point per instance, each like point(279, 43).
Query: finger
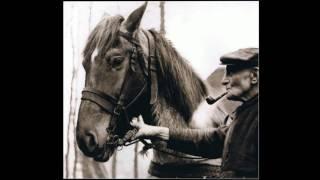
point(133, 138)
point(134, 119)
point(140, 119)
point(134, 123)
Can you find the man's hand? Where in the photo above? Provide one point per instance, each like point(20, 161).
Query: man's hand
point(144, 130)
point(148, 131)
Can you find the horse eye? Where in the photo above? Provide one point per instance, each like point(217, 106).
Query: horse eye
point(116, 60)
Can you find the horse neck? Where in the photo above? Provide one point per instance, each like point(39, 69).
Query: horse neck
point(180, 89)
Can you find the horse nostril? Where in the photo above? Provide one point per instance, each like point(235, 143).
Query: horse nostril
point(91, 141)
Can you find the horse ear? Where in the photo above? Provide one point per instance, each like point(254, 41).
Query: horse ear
point(133, 21)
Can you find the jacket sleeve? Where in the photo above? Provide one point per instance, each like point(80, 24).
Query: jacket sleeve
point(207, 143)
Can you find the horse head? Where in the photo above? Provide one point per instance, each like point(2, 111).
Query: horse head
point(116, 59)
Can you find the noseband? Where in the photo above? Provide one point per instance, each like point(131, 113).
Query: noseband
point(117, 106)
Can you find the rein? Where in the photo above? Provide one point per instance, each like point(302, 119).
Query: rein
point(126, 141)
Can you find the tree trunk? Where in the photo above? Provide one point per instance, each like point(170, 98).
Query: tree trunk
point(74, 141)
point(135, 166)
point(114, 165)
point(162, 28)
point(71, 99)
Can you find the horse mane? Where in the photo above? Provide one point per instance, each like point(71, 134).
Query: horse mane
point(179, 85)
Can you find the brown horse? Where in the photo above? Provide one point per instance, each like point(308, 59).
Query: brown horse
point(131, 71)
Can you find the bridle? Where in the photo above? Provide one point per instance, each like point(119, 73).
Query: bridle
point(117, 107)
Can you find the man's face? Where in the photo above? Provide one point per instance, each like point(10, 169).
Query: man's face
point(238, 81)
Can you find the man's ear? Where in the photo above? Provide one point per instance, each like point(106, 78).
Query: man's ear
point(254, 75)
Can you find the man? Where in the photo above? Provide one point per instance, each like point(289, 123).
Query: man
point(236, 143)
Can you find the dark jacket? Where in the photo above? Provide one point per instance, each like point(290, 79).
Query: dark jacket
point(237, 143)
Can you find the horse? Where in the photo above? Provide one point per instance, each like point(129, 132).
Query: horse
point(132, 71)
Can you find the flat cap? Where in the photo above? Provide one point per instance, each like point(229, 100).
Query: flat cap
point(247, 57)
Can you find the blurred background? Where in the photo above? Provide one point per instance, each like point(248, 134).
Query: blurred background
point(200, 31)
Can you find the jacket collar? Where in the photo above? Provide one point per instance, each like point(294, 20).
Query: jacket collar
point(250, 102)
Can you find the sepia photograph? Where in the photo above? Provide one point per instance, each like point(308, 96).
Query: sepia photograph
point(160, 89)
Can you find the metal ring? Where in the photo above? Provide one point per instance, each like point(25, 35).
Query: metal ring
point(116, 109)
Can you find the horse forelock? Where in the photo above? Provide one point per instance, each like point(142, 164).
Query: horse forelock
point(102, 37)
